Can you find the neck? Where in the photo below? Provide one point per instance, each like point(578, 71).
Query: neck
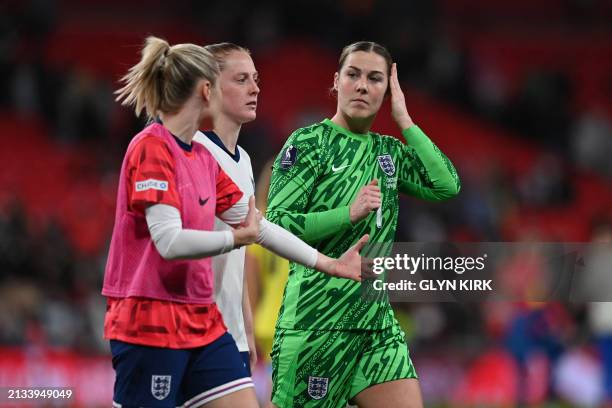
point(355, 125)
point(228, 132)
point(184, 123)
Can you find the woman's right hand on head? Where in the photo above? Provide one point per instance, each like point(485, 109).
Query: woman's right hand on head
point(398, 101)
point(248, 232)
point(367, 200)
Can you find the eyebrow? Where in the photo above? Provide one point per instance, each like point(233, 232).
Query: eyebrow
point(248, 73)
point(371, 72)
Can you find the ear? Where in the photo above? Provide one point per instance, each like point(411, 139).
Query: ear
point(206, 90)
point(336, 76)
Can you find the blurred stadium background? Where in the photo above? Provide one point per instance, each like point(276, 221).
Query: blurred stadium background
point(517, 93)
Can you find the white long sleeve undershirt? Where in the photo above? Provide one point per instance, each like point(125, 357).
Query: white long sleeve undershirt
point(174, 242)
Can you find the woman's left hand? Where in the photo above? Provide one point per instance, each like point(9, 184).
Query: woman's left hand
point(398, 101)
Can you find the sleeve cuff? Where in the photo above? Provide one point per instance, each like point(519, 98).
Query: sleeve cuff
point(228, 241)
point(342, 216)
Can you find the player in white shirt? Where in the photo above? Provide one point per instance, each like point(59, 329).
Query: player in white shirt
point(238, 84)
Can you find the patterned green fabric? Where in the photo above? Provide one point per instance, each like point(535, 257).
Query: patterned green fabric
point(314, 180)
point(326, 368)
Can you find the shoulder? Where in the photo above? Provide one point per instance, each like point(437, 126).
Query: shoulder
point(390, 142)
point(387, 139)
point(201, 140)
point(200, 137)
point(151, 137)
point(148, 145)
point(316, 132)
point(206, 148)
point(244, 165)
point(244, 155)
point(148, 140)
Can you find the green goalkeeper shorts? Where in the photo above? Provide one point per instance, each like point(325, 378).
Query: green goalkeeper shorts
point(326, 368)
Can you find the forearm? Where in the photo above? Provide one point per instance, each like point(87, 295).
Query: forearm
point(174, 242)
point(286, 245)
point(440, 174)
point(314, 226)
point(275, 238)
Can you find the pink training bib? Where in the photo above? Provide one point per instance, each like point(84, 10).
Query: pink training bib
point(156, 170)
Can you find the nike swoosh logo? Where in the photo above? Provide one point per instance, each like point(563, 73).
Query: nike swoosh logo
point(203, 202)
point(335, 169)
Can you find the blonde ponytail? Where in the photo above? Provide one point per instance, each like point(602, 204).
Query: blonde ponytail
point(165, 76)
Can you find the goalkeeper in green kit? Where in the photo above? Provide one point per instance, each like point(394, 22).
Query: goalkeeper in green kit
point(332, 183)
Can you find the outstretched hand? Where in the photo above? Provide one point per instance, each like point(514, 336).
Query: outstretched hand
point(398, 101)
point(349, 264)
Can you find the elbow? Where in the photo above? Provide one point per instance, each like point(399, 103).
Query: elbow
point(165, 251)
point(167, 254)
point(453, 186)
point(175, 256)
point(451, 183)
point(449, 191)
point(455, 189)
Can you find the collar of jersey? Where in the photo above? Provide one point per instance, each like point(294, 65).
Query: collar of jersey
point(186, 147)
point(344, 131)
point(217, 140)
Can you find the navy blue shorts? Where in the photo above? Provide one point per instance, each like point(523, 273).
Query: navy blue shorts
point(161, 377)
point(246, 359)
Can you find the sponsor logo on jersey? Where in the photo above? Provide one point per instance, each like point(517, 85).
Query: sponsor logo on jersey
point(203, 202)
point(317, 387)
point(289, 157)
point(151, 184)
point(386, 164)
point(336, 169)
point(160, 386)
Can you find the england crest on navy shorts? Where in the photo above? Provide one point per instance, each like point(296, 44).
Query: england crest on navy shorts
point(317, 387)
point(160, 386)
point(386, 164)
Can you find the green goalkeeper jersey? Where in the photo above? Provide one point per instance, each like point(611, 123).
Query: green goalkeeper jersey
point(314, 181)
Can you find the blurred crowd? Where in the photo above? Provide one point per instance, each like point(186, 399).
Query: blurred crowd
point(559, 166)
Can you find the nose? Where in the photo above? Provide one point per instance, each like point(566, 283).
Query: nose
point(254, 87)
point(361, 85)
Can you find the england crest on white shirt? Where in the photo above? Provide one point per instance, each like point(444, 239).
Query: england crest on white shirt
point(386, 164)
point(160, 386)
point(317, 387)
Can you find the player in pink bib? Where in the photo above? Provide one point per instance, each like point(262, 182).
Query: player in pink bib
point(169, 343)
point(158, 169)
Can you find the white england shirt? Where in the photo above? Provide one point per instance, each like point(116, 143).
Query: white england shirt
point(229, 267)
